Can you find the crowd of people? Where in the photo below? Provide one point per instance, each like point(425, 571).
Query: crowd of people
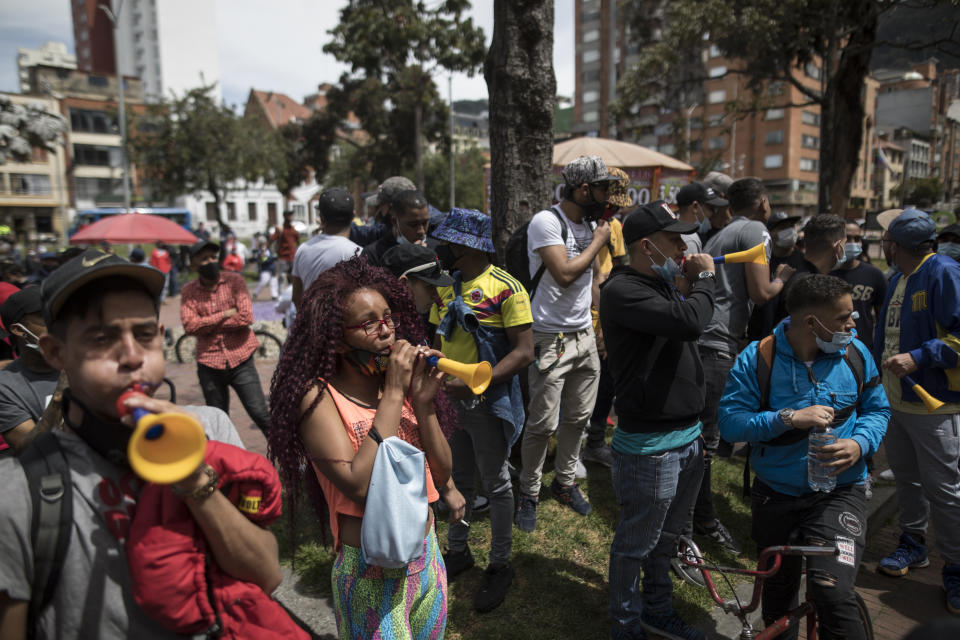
point(600, 306)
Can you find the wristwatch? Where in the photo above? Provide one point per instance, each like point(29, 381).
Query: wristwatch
point(706, 274)
point(786, 416)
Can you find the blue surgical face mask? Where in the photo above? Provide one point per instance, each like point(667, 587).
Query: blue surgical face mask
point(838, 341)
point(786, 238)
point(705, 226)
point(950, 249)
point(851, 251)
point(668, 270)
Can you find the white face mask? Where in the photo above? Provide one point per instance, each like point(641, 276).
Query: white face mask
point(35, 345)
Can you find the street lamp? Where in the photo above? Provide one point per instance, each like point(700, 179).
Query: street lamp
point(114, 16)
point(687, 145)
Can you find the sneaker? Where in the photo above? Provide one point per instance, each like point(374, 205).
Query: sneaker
point(909, 554)
point(719, 534)
point(868, 486)
point(571, 496)
point(526, 516)
point(887, 475)
point(457, 562)
point(669, 625)
point(581, 471)
point(599, 455)
point(493, 587)
point(951, 584)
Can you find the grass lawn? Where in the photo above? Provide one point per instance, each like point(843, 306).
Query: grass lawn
point(560, 589)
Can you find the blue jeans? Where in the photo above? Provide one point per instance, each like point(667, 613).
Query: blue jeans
point(656, 495)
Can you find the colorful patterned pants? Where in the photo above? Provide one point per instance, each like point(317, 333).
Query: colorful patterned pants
point(375, 603)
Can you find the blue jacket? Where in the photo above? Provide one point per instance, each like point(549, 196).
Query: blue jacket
point(929, 327)
point(784, 468)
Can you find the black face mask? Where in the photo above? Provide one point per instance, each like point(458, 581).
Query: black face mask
point(109, 439)
point(448, 259)
point(369, 363)
point(593, 211)
point(209, 271)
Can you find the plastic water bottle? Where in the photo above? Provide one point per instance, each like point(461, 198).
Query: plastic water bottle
point(818, 475)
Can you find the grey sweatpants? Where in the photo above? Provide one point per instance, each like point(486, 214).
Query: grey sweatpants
point(924, 452)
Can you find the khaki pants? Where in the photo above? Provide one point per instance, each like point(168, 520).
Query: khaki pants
point(563, 391)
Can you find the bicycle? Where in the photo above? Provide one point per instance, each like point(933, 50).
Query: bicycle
point(688, 553)
point(269, 346)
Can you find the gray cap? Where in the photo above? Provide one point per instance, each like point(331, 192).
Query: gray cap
point(587, 170)
point(717, 181)
point(392, 187)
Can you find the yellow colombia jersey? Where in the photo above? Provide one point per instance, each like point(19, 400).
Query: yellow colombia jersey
point(497, 299)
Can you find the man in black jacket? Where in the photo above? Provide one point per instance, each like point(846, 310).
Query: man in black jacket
point(651, 333)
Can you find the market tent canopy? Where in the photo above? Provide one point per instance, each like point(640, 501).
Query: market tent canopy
point(615, 153)
point(134, 228)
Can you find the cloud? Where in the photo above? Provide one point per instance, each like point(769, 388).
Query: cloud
point(30, 25)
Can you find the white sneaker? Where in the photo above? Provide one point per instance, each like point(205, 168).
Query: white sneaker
point(581, 471)
point(886, 475)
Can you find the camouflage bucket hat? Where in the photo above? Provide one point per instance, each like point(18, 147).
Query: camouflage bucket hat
point(618, 196)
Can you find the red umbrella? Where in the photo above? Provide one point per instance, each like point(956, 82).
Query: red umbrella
point(134, 228)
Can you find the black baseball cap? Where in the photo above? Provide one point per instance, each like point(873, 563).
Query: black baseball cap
point(699, 192)
point(201, 245)
point(336, 203)
point(781, 216)
point(91, 265)
point(19, 305)
point(652, 217)
point(416, 261)
point(951, 229)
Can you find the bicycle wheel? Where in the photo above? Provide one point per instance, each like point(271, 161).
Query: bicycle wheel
point(270, 345)
point(690, 575)
point(186, 348)
point(864, 614)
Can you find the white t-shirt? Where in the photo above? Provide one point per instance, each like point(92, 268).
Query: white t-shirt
point(93, 597)
point(319, 253)
point(555, 308)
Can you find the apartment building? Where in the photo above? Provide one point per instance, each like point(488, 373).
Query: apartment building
point(888, 174)
point(52, 54)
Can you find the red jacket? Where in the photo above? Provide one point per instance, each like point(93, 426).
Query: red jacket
point(175, 577)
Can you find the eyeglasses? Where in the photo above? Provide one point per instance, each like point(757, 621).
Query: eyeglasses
point(372, 327)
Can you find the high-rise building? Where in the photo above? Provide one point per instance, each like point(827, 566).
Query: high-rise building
point(52, 54)
point(170, 44)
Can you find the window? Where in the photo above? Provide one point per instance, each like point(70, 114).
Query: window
point(272, 214)
point(590, 116)
point(231, 211)
point(696, 123)
point(810, 142)
point(774, 137)
point(696, 145)
point(810, 117)
point(715, 120)
point(717, 96)
point(211, 212)
point(29, 184)
point(812, 70)
point(591, 36)
point(87, 121)
point(590, 96)
point(590, 16)
point(252, 211)
point(716, 72)
point(774, 114)
point(590, 76)
point(92, 188)
point(809, 164)
point(98, 81)
point(715, 51)
point(716, 142)
point(591, 56)
point(96, 155)
point(773, 162)
point(775, 88)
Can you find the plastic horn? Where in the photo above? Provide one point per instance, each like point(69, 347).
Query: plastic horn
point(931, 403)
point(757, 254)
point(165, 447)
point(476, 376)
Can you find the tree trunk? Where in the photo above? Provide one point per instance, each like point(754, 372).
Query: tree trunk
point(842, 115)
point(522, 89)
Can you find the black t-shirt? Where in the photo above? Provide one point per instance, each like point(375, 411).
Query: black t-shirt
point(766, 316)
point(869, 289)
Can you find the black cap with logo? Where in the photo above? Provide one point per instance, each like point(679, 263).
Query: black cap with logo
point(652, 217)
point(416, 261)
point(699, 192)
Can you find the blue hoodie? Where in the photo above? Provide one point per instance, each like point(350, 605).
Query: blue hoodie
point(784, 468)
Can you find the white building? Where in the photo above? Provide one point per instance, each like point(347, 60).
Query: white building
point(52, 54)
point(247, 209)
point(170, 44)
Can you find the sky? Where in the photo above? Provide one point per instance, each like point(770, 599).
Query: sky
point(270, 46)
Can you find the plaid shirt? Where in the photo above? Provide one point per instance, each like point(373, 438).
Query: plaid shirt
point(222, 343)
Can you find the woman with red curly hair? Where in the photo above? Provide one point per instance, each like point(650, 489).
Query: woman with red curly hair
point(351, 363)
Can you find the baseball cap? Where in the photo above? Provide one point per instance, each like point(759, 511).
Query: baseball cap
point(416, 261)
point(884, 218)
point(699, 192)
point(912, 228)
point(652, 217)
point(19, 305)
point(618, 195)
point(336, 203)
point(201, 245)
point(950, 229)
point(717, 181)
point(781, 216)
point(91, 265)
point(390, 188)
point(587, 170)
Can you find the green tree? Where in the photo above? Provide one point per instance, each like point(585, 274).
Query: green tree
point(468, 179)
point(393, 47)
point(775, 40)
point(923, 192)
point(193, 145)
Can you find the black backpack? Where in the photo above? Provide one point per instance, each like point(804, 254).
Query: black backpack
point(517, 259)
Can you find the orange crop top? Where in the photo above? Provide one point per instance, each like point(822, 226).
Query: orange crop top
point(357, 420)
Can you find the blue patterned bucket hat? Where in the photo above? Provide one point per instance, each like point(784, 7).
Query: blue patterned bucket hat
point(467, 227)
